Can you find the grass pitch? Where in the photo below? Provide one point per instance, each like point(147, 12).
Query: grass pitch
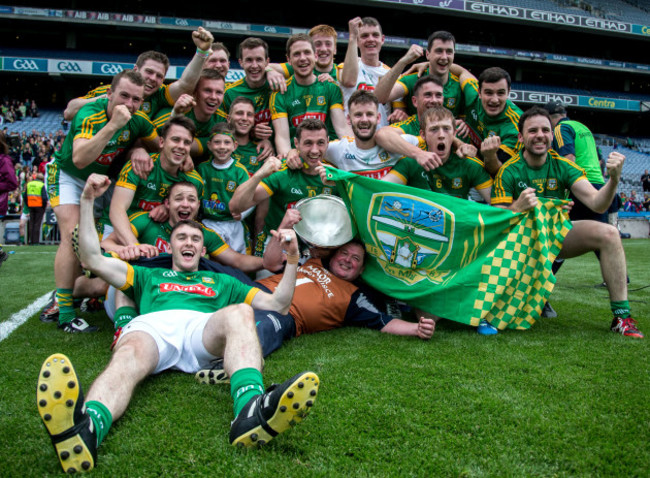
point(566, 398)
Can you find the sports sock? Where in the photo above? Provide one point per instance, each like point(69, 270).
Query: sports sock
point(245, 383)
point(101, 417)
point(124, 315)
point(66, 305)
point(620, 308)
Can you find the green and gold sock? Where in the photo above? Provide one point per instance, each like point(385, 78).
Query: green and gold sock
point(66, 305)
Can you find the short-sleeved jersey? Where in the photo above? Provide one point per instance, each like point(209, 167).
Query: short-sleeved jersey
point(159, 234)
point(552, 180)
point(151, 192)
point(322, 301)
point(503, 125)
point(375, 162)
point(410, 125)
point(203, 129)
point(312, 101)
point(157, 290)
point(287, 187)
point(151, 106)
point(454, 178)
point(287, 70)
point(259, 96)
point(90, 119)
point(220, 184)
point(572, 137)
point(246, 154)
point(452, 92)
point(367, 79)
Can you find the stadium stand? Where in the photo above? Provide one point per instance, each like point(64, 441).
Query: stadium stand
point(48, 122)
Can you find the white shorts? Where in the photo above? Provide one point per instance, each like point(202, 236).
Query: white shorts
point(179, 336)
point(232, 233)
point(63, 188)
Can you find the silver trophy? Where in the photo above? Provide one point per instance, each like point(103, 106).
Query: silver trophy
point(325, 221)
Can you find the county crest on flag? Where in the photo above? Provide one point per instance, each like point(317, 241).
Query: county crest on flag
point(452, 257)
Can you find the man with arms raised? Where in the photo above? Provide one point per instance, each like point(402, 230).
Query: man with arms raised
point(306, 97)
point(188, 318)
point(539, 171)
point(100, 131)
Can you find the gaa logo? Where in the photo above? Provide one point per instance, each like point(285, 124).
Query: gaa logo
point(25, 65)
point(68, 66)
point(110, 68)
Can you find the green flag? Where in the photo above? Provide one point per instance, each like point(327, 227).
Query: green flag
point(455, 258)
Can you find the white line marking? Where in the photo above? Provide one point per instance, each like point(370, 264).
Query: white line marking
point(19, 318)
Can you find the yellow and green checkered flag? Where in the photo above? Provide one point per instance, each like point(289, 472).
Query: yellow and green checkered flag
point(455, 258)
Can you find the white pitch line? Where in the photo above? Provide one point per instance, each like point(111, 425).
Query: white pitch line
point(19, 318)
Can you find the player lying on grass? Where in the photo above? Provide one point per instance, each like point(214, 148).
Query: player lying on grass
point(188, 319)
point(539, 171)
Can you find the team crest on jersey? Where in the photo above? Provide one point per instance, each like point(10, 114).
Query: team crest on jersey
point(451, 102)
point(230, 186)
point(384, 156)
point(253, 160)
point(124, 137)
point(412, 236)
point(552, 184)
point(457, 183)
point(207, 280)
point(320, 101)
point(146, 107)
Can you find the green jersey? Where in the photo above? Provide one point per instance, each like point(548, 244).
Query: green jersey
point(452, 92)
point(152, 191)
point(410, 125)
point(159, 234)
point(454, 178)
point(571, 137)
point(203, 129)
point(221, 180)
point(90, 119)
point(157, 290)
point(503, 125)
point(312, 101)
point(246, 155)
point(287, 70)
point(286, 188)
point(151, 106)
point(552, 180)
point(260, 97)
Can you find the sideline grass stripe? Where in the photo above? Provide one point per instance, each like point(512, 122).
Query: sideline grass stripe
point(19, 318)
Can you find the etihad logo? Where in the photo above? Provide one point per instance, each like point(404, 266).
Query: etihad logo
point(198, 289)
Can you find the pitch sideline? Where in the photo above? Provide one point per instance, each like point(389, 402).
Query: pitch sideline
point(19, 318)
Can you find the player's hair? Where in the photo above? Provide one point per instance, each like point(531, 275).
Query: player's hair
point(529, 113)
point(371, 22)
point(423, 81)
point(435, 113)
point(179, 183)
point(152, 55)
point(210, 74)
point(362, 97)
point(492, 75)
point(242, 99)
point(310, 124)
point(221, 128)
point(182, 121)
point(216, 46)
point(296, 38)
point(253, 42)
point(131, 75)
point(324, 30)
point(440, 35)
point(188, 222)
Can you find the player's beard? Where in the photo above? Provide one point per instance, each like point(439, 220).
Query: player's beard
point(364, 137)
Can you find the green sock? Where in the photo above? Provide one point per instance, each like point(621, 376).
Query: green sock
point(124, 315)
point(620, 308)
point(101, 418)
point(66, 305)
point(245, 383)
